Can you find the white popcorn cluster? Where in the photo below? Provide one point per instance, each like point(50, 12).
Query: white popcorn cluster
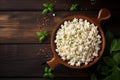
point(78, 41)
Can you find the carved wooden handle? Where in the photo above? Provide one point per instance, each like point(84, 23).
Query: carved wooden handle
point(53, 62)
point(104, 14)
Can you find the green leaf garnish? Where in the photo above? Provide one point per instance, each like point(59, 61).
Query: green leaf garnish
point(49, 70)
point(45, 75)
point(45, 11)
point(48, 73)
point(51, 5)
point(107, 78)
point(45, 4)
point(51, 75)
point(38, 33)
point(116, 58)
point(115, 74)
point(42, 35)
point(109, 61)
point(41, 38)
point(115, 45)
point(45, 33)
point(73, 7)
point(109, 38)
point(46, 69)
point(93, 77)
point(48, 8)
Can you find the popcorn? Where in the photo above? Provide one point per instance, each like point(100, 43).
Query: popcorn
point(78, 64)
point(78, 42)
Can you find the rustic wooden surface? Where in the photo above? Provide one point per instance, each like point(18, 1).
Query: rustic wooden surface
point(21, 54)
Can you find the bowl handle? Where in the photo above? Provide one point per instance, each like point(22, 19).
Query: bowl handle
point(103, 14)
point(53, 62)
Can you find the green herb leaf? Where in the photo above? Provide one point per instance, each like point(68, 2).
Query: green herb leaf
point(106, 71)
point(109, 38)
point(49, 70)
point(50, 9)
point(51, 5)
point(115, 74)
point(45, 11)
point(107, 78)
point(45, 4)
point(118, 68)
point(42, 35)
point(41, 38)
point(103, 70)
point(51, 75)
point(109, 61)
point(38, 33)
point(73, 7)
point(93, 77)
point(46, 69)
point(115, 46)
point(45, 33)
point(116, 58)
point(45, 75)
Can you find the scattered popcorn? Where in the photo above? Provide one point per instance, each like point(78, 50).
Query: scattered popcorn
point(78, 42)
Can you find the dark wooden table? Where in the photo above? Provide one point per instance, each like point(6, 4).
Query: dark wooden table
point(21, 54)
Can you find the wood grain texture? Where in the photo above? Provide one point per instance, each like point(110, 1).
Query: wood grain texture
point(23, 60)
point(43, 79)
point(21, 27)
point(59, 4)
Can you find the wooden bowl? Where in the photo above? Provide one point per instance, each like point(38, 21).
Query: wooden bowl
point(103, 14)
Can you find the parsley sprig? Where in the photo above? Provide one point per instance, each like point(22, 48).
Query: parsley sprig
point(42, 35)
point(48, 8)
point(48, 73)
point(74, 7)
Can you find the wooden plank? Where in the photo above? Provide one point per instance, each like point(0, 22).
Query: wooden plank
point(21, 60)
point(44, 79)
point(59, 4)
point(21, 27)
